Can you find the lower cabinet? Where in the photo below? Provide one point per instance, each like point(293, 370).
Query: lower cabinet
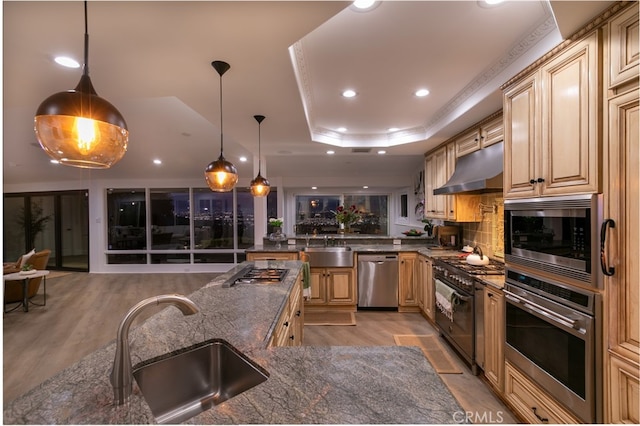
point(332, 287)
point(528, 401)
point(426, 295)
point(494, 321)
point(408, 279)
point(272, 255)
point(289, 327)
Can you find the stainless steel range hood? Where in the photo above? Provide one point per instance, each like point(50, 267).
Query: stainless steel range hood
point(478, 172)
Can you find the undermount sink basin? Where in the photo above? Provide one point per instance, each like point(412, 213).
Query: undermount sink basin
point(330, 257)
point(179, 386)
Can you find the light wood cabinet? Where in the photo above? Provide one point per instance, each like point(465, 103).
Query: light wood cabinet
point(467, 143)
point(624, 47)
point(272, 255)
point(439, 166)
point(494, 318)
point(332, 287)
point(408, 274)
point(530, 403)
point(426, 295)
point(551, 125)
point(492, 132)
point(436, 168)
point(622, 311)
point(289, 327)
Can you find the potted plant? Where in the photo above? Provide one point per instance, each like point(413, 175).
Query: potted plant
point(33, 223)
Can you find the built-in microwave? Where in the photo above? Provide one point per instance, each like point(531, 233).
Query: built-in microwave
point(557, 235)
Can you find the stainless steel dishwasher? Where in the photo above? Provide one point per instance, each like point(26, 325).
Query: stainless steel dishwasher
point(378, 280)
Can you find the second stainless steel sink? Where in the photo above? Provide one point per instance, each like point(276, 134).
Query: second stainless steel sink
point(181, 385)
point(330, 257)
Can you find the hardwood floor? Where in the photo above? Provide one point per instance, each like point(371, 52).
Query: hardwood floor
point(83, 311)
point(378, 327)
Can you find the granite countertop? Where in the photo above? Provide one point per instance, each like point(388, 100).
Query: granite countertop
point(359, 248)
point(383, 384)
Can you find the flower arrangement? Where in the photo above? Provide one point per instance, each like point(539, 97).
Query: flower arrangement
point(276, 222)
point(347, 216)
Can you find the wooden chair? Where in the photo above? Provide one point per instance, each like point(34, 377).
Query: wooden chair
point(13, 289)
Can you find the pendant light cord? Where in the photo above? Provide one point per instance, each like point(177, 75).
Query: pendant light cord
point(221, 131)
point(85, 66)
point(259, 152)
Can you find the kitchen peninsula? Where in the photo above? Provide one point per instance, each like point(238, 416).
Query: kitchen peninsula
point(305, 384)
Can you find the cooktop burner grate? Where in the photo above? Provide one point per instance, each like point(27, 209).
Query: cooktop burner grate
point(263, 276)
point(493, 268)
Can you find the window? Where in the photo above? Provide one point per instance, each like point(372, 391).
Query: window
point(186, 225)
point(315, 214)
point(126, 210)
point(170, 219)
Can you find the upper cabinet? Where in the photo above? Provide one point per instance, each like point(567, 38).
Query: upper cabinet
point(441, 163)
point(551, 125)
point(624, 40)
point(492, 132)
point(435, 175)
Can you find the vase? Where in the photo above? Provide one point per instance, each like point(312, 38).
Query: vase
point(277, 236)
point(341, 228)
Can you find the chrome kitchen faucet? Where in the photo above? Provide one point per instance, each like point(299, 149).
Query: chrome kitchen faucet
point(121, 376)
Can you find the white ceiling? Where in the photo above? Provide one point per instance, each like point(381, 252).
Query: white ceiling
point(289, 61)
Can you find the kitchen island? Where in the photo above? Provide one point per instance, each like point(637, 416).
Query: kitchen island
point(305, 384)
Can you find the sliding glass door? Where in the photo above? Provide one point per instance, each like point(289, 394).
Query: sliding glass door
point(58, 221)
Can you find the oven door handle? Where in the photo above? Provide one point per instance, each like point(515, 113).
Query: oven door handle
point(463, 298)
point(541, 310)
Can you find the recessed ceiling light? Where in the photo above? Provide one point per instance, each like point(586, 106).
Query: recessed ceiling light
point(489, 3)
point(52, 161)
point(365, 187)
point(382, 151)
point(364, 4)
point(342, 129)
point(393, 129)
point(243, 159)
point(349, 93)
point(157, 161)
point(314, 187)
point(65, 61)
point(422, 92)
point(331, 152)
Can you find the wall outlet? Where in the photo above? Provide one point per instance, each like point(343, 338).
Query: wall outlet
point(397, 242)
point(291, 242)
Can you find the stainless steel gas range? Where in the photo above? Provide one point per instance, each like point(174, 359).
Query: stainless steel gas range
point(459, 305)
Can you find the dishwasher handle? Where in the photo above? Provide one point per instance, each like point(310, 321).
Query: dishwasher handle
point(378, 258)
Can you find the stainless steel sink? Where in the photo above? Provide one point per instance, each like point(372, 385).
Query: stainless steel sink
point(330, 257)
point(181, 385)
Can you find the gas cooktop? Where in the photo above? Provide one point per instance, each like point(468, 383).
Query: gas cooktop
point(262, 276)
point(493, 268)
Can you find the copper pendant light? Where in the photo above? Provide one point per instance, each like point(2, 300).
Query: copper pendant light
point(260, 187)
point(221, 175)
point(79, 128)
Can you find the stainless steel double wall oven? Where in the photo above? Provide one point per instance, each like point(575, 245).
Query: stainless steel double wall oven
point(553, 300)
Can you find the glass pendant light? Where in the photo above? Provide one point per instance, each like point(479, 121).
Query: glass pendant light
point(260, 187)
point(79, 128)
point(221, 175)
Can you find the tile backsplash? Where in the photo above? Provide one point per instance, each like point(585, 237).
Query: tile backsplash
point(489, 233)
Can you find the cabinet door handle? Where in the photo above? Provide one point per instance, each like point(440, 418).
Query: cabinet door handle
point(286, 324)
point(298, 313)
point(490, 295)
point(540, 180)
point(606, 269)
point(542, 419)
point(532, 181)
